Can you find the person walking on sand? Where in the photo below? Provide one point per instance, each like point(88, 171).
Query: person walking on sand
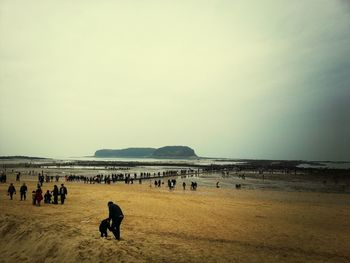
point(117, 216)
point(23, 191)
point(63, 193)
point(11, 191)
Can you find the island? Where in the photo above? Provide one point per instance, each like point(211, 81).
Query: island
point(166, 152)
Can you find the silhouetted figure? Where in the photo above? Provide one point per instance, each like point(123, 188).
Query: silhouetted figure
point(63, 193)
point(39, 195)
point(55, 194)
point(3, 177)
point(193, 185)
point(47, 197)
point(11, 191)
point(23, 190)
point(184, 185)
point(117, 216)
point(105, 224)
point(169, 184)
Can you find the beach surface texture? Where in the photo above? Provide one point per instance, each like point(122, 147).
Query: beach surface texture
point(206, 225)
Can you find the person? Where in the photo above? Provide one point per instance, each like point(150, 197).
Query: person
point(23, 191)
point(169, 184)
point(18, 176)
point(38, 195)
point(55, 194)
point(11, 190)
point(63, 193)
point(117, 216)
point(105, 224)
point(184, 185)
point(47, 197)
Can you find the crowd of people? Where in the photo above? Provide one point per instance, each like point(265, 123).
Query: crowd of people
point(127, 178)
point(57, 194)
point(37, 195)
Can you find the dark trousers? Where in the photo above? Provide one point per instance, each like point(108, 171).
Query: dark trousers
point(115, 228)
point(62, 199)
point(11, 195)
point(55, 199)
point(23, 196)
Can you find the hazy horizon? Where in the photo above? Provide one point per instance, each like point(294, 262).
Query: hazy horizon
point(230, 79)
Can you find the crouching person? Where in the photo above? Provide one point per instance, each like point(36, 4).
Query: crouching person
point(105, 224)
point(47, 197)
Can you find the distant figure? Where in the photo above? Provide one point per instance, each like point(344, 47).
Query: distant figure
point(238, 186)
point(117, 216)
point(55, 194)
point(217, 184)
point(47, 197)
point(184, 185)
point(105, 224)
point(169, 184)
point(193, 185)
point(23, 191)
point(38, 195)
point(11, 191)
point(63, 193)
point(18, 176)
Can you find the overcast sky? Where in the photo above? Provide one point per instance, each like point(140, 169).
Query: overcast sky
point(265, 79)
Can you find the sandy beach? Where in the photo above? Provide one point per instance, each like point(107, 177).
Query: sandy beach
point(207, 225)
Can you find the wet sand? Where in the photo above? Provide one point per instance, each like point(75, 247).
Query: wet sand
point(207, 225)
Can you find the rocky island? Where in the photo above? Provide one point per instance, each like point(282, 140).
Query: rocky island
point(165, 152)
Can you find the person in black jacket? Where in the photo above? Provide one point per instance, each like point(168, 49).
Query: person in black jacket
point(63, 193)
point(55, 194)
point(11, 190)
point(117, 216)
point(105, 224)
point(23, 191)
point(47, 197)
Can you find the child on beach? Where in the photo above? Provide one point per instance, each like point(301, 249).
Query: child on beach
point(105, 224)
point(47, 197)
point(38, 195)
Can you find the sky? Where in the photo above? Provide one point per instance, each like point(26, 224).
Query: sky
point(236, 79)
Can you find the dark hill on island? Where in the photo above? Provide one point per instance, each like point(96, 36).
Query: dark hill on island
point(163, 152)
point(174, 152)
